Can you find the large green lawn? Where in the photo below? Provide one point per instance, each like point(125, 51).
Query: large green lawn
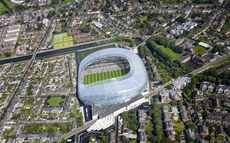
point(56, 101)
point(198, 50)
point(169, 52)
point(91, 78)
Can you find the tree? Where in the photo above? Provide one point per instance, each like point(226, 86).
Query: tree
point(80, 121)
point(181, 20)
point(180, 103)
point(166, 140)
point(50, 129)
point(125, 139)
point(63, 127)
point(7, 54)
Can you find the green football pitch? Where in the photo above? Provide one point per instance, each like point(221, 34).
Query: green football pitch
point(91, 78)
point(62, 40)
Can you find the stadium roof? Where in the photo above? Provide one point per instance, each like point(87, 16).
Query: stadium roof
point(114, 90)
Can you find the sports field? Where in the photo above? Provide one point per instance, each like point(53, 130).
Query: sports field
point(62, 40)
point(91, 78)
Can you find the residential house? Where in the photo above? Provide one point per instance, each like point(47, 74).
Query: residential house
point(171, 134)
point(207, 86)
point(203, 130)
point(174, 95)
point(227, 102)
point(179, 41)
point(189, 134)
point(125, 128)
point(222, 89)
point(167, 116)
point(168, 125)
point(197, 118)
point(174, 111)
point(216, 104)
point(214, 118)
point(181, 83)
point(220, 131)
point(198, 95)
point(165, 108)
point(141, 131)
point(164, 95)
point(183, 114)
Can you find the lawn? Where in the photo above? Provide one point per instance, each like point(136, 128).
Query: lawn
point(91, 78)
point(219, 138)
point(143, 18)
point(83, 54)
point(44, 128)
point(56, 101)
point(2, 8)
point(179, 127)
point(198, 50)
point(169, 52)
point(124, 42)
point(3, 56)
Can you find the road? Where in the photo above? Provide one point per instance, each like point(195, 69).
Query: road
point(53, 52)
point(74, 131)
point(26, 71)
point(208, 65)
point(24, 75)
point(204, 67)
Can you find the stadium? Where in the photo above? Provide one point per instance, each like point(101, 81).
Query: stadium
point(111, 76)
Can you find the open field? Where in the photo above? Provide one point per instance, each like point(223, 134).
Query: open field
point(83, 54)
point(56, 101)
point(91, 78)
point(68, 38)
point(198, 50)
point(62, 40)
point(169, 52)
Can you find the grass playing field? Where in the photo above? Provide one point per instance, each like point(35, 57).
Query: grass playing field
point(91, 78)
point(56, 101)
point(62, 40)
point(198, 50)
point(169, 52)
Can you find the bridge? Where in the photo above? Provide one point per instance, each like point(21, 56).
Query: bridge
point(54, 52)
point(74, 131)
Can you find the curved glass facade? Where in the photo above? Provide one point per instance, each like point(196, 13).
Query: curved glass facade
point(114, 90)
